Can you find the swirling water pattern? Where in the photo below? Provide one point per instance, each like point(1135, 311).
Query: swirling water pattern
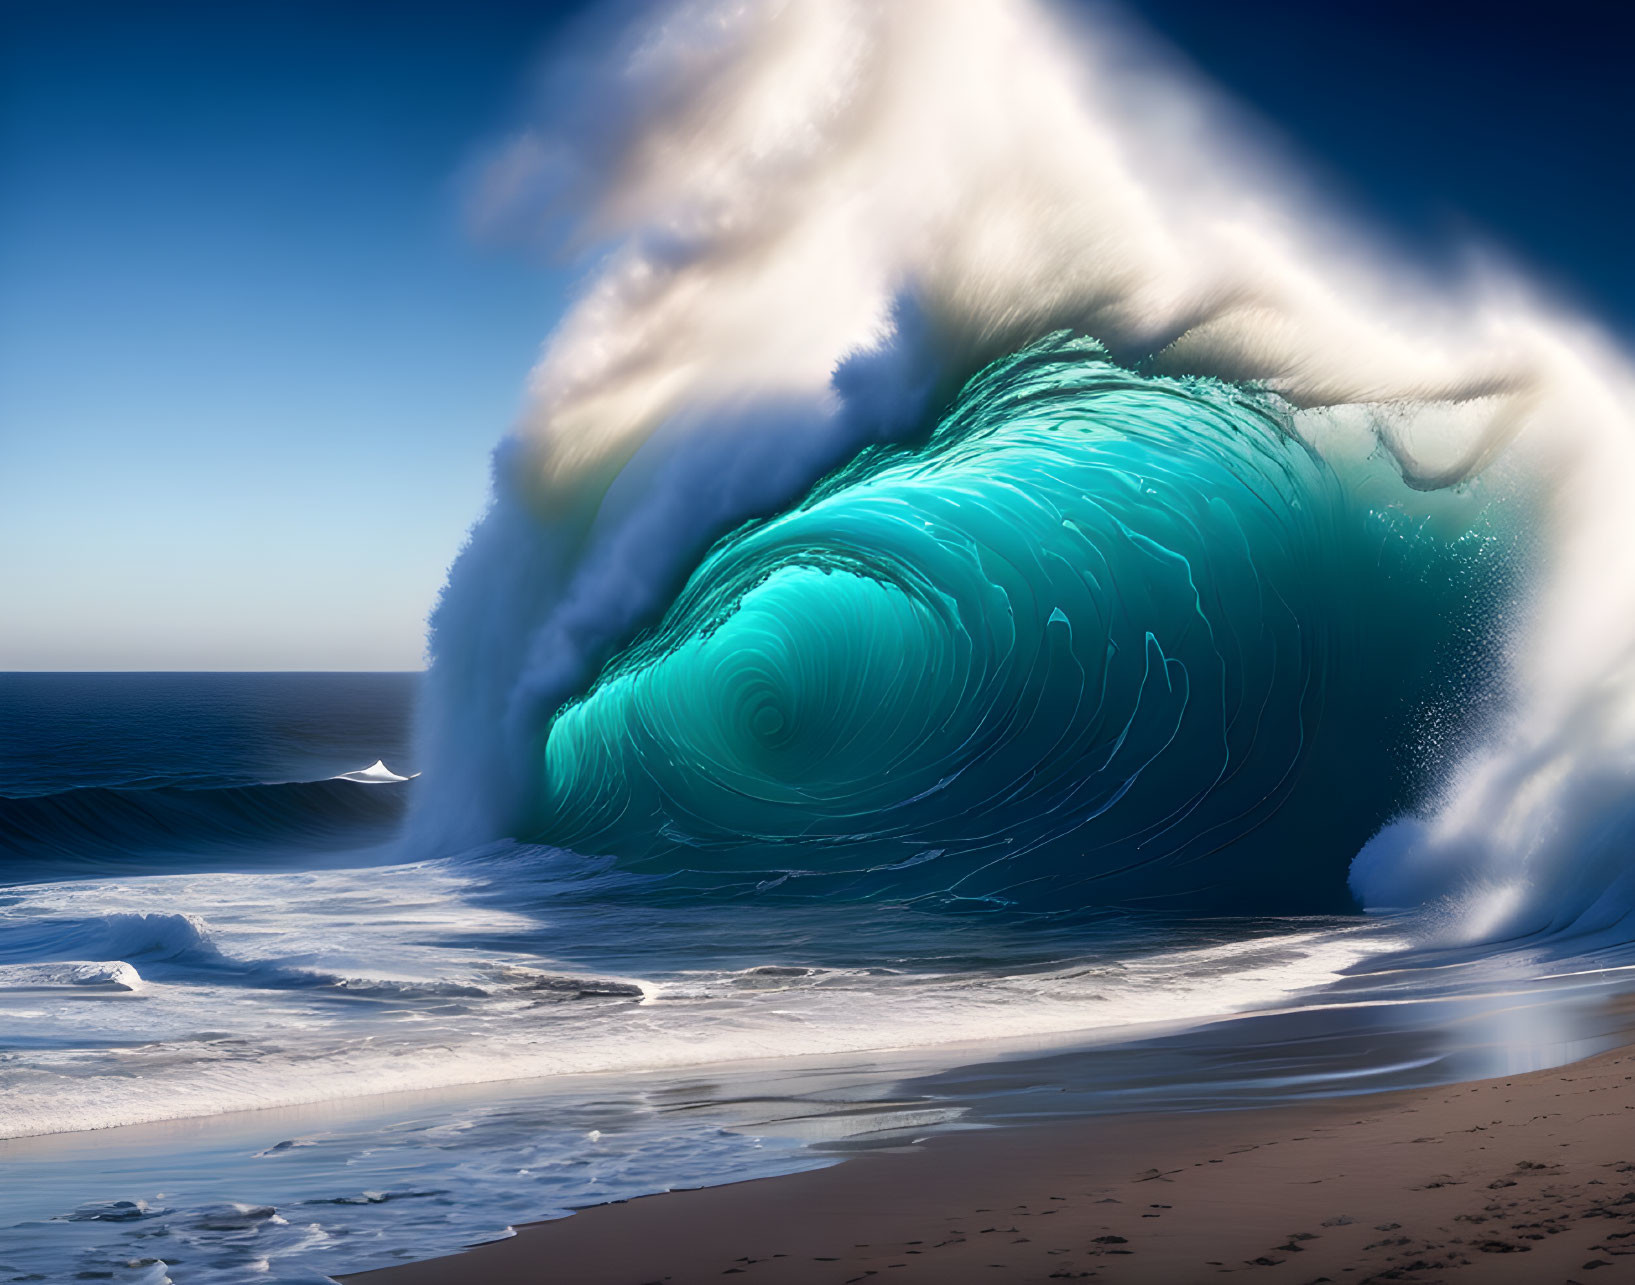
point(1088, 640)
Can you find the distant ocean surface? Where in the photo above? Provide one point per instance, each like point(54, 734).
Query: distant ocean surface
point(131, 772)
point(69, 732)
point(205, 909)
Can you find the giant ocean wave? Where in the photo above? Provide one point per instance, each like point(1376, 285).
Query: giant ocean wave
point(973, 471)
point(1091, 640)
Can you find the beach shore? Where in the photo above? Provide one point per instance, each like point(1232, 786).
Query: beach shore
point(1528, 1179)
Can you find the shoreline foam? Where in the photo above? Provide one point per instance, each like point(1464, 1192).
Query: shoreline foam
point(1528, 1178)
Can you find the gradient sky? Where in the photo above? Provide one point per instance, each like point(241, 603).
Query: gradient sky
point(252, 363)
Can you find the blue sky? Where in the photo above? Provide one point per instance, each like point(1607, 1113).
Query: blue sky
point(252, 363)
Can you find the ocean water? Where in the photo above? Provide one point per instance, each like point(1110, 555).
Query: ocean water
point(996, 605)
point(290, 1051)
point(138, 772)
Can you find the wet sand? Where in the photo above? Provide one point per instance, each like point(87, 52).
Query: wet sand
point(1529, 1180)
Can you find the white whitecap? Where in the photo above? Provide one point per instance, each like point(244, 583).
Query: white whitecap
point(103, 975)
point(377, 773)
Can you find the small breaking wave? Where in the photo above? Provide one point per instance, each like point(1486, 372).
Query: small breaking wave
point(377, 773)
point(93, 976)
point(97, 951)
point(155, 937)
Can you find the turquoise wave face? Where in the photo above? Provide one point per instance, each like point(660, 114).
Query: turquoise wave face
point(1101, 639)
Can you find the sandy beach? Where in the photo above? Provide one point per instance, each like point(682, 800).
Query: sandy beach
point(1527, 1179)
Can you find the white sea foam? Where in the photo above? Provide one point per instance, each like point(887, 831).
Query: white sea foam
point(329, 985)
point(377, 773)
point(97, 975)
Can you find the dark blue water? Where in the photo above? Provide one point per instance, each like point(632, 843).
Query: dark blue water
point(204, 731)
point(144, 772)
